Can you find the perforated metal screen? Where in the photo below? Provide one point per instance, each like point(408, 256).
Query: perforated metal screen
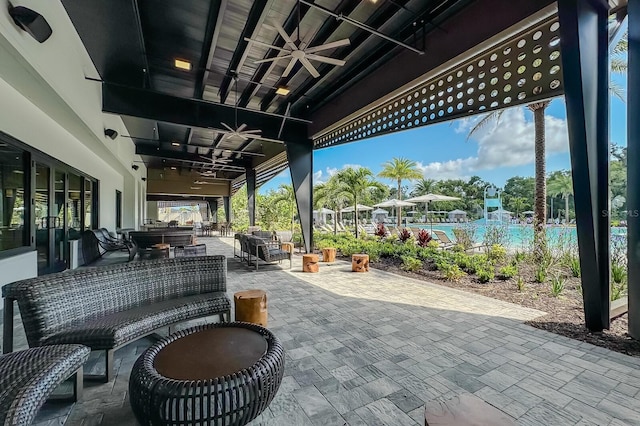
point(521, 70)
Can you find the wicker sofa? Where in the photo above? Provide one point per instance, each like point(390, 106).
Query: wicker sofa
point(107, 307)
point(29, 377)
point(146, 239)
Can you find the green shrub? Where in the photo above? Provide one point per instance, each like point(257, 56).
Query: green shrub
point(520, 284)
point(497, 253)
point(519, 256)
point(507, 272)
point(411, 264)
point(485, 274)
point(433, 244)
point(618, 290)
point(540, 274)
point(557, 285)
point(574, 266)
point(427, 253)
point(452, 272)
point(618, 272)
point(458, 248)
point(462, 260)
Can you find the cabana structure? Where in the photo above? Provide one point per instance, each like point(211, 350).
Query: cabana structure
point(457, 216)
point(130, 102)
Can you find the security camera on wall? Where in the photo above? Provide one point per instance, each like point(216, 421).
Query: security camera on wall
point(135, 167)
point(110, 133)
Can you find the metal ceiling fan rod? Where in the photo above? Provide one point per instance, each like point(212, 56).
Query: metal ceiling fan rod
point(359, 24)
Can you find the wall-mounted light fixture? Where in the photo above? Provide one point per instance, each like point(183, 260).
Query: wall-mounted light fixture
point(31, 22)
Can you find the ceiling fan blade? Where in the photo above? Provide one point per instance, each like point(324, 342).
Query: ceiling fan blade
point(327, 60)
point(338, 43)
point(227, 127)
point(289, 67)
point(257, 131)
point(267, 45)
point(241, 128)
point(312, 70)
point(284, 35)
point(207, 158)
point(275, 58)
point(307, 40)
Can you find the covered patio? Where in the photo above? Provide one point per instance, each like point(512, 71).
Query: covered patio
point(372, 349)
point(189, 101)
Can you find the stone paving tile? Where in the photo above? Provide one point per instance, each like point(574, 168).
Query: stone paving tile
point(371, 349)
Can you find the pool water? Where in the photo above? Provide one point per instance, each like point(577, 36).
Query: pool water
point(517, 235)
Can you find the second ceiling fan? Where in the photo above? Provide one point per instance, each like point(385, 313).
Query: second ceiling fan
point(300, 50)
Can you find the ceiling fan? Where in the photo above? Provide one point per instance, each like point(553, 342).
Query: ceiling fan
point(238, 133)
point(301, 51)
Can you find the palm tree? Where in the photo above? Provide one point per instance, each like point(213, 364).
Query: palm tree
point(333, 195)
point(400, 169)
point(424, 186)
point(287, 194)
point(356, 182)
point(619, 64)
point(540, 204)
point(560, 183)
point(518, 204)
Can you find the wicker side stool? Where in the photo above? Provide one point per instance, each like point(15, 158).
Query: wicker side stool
point(217, 374)
point(29, 377)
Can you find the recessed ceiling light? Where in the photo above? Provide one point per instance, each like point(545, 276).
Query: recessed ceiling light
point(196, 187)
point(182, 64)
point(175, 144)
point(173, 168)
point(282, 90)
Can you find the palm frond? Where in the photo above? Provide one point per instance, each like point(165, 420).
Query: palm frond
point(619, 65)
point(493, 116)
point(617, 91)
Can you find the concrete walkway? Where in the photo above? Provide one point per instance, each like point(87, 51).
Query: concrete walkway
point(371, 349)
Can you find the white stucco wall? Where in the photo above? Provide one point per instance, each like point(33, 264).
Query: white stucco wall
point(46, 102)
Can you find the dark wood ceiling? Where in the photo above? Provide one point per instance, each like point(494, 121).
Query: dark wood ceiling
point(135, 42)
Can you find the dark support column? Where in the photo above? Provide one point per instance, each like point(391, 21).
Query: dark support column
point(633, 168)
point(213, 207)
point(300, 157)
point(226, 201)
point(251, 195)
point(585, 67)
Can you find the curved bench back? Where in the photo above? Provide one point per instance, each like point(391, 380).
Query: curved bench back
point(51, 302)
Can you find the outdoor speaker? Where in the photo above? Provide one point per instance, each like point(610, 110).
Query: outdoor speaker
point(31, 22)
point(111, 133)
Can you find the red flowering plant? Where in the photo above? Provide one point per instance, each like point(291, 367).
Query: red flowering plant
point(423, 238)
point(404, 235)
point(381, 231)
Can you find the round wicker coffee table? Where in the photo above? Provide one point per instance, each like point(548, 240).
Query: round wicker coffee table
point(218, 374)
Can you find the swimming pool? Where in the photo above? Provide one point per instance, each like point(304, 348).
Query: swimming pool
point(516, 235)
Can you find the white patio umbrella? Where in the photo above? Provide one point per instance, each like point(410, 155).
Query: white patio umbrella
point(361, 208)
point(394, 202)
point(428, 198)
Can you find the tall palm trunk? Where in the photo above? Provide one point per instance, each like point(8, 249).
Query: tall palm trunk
point(566, 209)
point(540, 205)
point(399, 209)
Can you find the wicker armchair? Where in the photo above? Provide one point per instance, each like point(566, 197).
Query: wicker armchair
point(107, 243)
point(28, 378)
point(267, 251)
point(108, 307)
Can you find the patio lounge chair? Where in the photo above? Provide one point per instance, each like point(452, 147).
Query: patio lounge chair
point(445, 242)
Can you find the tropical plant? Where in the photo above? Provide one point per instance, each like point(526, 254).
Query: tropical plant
point(560, 184)
point(518, 204)
point(520, 284)
point(485, 274)
point(400, 169)
point(618, 290)
point(540, 274)
point(618, 272)
point(404, 235)
point(497, 253)
point(452, 272)
point(423, 238)
point(287, 194)
point(356, 183)
point(423, 186)
point(333, 195)
point(507, 272)
point(574, 266)
point(381, 231)
point(410, 263)
point(557, 285)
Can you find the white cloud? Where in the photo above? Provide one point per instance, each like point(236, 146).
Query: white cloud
point(509, 143)
point(317, 177)
point(332, 171)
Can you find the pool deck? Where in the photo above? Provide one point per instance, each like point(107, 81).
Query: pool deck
point(372, 348)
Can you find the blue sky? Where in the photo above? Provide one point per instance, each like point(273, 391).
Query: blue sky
point(442, 151)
